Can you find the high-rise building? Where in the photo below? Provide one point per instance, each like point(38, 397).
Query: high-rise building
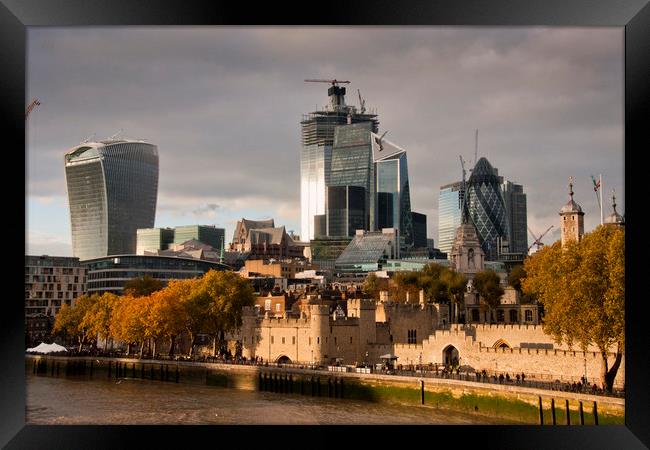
point(352, 164)
point(208, 234)
point(486, 207)
point(419, 230)
point(316, 153)
point(51, 282)
point(112, 191)
point(450, 200)
point(346, 210)
point(153, 239)
point(515, 202)
point(393, 199)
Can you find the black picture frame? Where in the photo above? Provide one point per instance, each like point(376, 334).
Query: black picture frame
point(633, 15)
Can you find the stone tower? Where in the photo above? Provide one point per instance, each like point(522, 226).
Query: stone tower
point(572, 219)
point(467, 256)
point(615, 218)
point(319, 330)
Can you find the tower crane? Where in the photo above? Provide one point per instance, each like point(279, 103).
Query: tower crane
point(334, 82)
point(538, 240)
point(31, 106)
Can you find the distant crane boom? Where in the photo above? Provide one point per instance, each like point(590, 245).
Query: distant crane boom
point(538, 240)
point(333, 82)
point(31, 106)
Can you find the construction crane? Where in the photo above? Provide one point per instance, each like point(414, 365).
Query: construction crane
point(334, 82)
point(538, 240)
point(31, 106)
point(380, 139)
point(362, 103)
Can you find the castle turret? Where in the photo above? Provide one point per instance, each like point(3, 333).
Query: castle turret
point(615, 218)
point(248, 326)
point(319, 331)
point(572, 219)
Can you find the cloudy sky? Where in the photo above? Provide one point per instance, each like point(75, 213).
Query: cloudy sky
point(224, 104)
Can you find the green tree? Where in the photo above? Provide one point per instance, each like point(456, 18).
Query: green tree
point(456, 284)
point(372, 286)
point(582, 289)
point(70, 320)
point(487, 284)
point(141, 286)
point(228, 293)
point(515, 277)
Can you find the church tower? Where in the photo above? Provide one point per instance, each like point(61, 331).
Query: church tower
point(572, 219)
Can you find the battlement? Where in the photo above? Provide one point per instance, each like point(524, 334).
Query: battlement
point(361, 303)
point(319, 310)
point(540, 351)
point(283, 322)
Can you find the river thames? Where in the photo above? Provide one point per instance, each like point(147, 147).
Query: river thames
point(70, 401)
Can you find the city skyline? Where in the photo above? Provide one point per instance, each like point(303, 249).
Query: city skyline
point(223, 106)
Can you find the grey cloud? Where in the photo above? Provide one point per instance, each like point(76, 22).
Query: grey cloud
point(224, 104)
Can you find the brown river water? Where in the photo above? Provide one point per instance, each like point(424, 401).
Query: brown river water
point(100, 401)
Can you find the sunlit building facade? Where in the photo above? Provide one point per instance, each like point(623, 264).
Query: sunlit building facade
point(450, 199)
point(112, 191)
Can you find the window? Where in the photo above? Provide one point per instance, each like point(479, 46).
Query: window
point(318, 340)
point(277, 307)
point(267, 305)
point(293, 340)
point(309, 340)
point(513, 315)
point(334, 341)
point(272, 340)
point(283, 340)
point(500, 315)
point(350, 339)
point(529, 315)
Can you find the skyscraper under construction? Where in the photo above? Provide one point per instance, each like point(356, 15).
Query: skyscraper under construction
point(316, 154)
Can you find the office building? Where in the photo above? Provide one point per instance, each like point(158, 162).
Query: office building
point(419, 230)
point(208, 234)
point(486, 207)
point(153, 239)
point(346, 210)
point(352, 165)
point(516, 213)
point(393, 199)
point(110, 274)
point(450, 200)
point(369, 250)
point(317, 129)
point(112, 191)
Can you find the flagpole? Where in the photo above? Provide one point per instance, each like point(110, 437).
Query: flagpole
point(601, 198)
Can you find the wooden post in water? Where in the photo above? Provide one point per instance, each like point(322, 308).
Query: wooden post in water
point(341, 388)
point(52, 370)
point(568, 412)
point(553, 410)
point(329, 386)
point(422, 391)
point(318, 385)
point(142, 371)
point(311, 385)
point(133, 370)
point(177, 374)
point(161, 372)
point(595, 413)
point(260, 380)
point(110, 363)
point(151, 372)
point(582, 415)
point(541, 412)
point(57, 368)
point(290, 384)
point(302, 385)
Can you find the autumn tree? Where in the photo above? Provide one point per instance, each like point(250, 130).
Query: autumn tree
point(165, 317)
point(98, 318)
point(227, 294)
point(142, 286)
point(582, 288)
point(128, 321)
point(70, 320)
point(372, 286)
point(402, 283)
point(488, 285)
point(194, 307)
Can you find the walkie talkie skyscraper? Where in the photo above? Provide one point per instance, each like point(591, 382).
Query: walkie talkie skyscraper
point(112, 191)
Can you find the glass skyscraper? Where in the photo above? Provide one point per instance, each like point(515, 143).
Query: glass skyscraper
point(346, 210)
point(487, 208)
point(112, 191)
point(450, 200)
point(393, 207)
point(316, 154)
point(516, 211)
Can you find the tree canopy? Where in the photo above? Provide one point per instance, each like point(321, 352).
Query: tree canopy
point(582, 288)
point(141, 286)
point(488, 284)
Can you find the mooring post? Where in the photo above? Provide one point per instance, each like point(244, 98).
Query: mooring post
point(553, 410)
point(151, 372)
point(110, 363)
point(260, 380)
point(290, 384)
point(34, 367)
point(541, 412)
point(177, 374)
point(52, 370)
point(57, 368)
point(341, 388)
point(568, 412)
point(142, 370)
point(161, 372)
point(582, 415)
point(595, 413)
point(422, 391)
point(318, 385)
point(133, 370)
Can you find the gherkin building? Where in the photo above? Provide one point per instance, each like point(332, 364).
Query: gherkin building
point(486, 207)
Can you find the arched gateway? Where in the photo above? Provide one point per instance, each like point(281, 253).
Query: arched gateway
point(450, 355)
point(283, 360)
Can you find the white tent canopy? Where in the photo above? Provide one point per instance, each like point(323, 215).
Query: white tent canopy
point(47, 348)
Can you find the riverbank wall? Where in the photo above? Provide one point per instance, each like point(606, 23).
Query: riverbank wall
point(512, 403)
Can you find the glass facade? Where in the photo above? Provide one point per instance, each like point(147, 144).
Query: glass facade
point(393, 196)
point(516, 211)
point(324, 250)
point(153, 239)
point(368, 251)
point(346, 210)
point(207, 234)
point(112, 191)
point(316, 155)
point(450, 200)
point(486, 207)
point(109, 274)
point(419, 230)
